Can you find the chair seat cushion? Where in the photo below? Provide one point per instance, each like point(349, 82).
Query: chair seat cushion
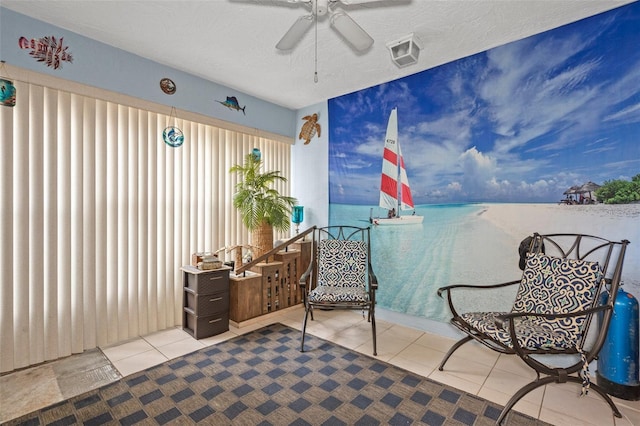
point(549, 285)
point(531, 333)
point(333, 294)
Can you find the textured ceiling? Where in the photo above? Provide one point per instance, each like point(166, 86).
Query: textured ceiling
point(232, 42)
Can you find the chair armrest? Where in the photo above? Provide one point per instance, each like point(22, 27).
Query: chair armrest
point(373, 280)
point(448, 289)
point(474, 287)
point(305, 276)
point(500, 319)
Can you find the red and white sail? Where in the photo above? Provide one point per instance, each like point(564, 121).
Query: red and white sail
point(406, 200)
point(395, 193)
point(393, 170)
point(389, 180)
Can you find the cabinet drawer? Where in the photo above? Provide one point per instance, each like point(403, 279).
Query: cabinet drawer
point(201, 327)
point(208, 282)
point(207, 304)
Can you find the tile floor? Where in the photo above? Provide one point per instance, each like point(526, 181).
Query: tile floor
point(473, 368)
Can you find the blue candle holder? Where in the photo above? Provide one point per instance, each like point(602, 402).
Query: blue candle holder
point(256, 154)
point(297, 216)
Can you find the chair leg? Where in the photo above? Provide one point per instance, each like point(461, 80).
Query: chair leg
point(453, 349)
point(304, 327)
point(600, 392)
point(522, 392)
point(551, 379)
point(373, 327)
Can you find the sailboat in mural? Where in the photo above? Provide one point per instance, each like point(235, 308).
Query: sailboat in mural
point(395, 192)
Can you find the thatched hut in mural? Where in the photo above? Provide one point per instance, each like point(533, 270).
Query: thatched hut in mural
point(576, 194)
point(589, 188)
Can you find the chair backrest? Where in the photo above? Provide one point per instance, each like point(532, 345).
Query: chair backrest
point(568, 278)
point(342, 256)
point(342, 263)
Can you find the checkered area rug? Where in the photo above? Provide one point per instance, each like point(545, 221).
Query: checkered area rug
point(262, 378)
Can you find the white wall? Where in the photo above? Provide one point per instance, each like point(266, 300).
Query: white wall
point(310, 169)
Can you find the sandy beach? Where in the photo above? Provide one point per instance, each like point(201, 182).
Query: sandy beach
point(615, 222)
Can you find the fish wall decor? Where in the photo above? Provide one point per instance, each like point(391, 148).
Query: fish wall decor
point(232, 103)
point(309, 128)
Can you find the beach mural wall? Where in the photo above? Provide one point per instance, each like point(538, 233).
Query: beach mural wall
point(491, 144)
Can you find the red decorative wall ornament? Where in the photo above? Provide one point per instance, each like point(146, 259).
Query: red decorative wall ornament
point(49, 50)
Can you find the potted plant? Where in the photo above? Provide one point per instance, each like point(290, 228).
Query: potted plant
point(262, 208)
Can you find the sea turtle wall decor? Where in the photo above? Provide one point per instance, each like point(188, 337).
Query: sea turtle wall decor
point(309, 128)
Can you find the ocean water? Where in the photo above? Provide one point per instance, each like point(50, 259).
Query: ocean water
point(456, 245)
point(452, 246)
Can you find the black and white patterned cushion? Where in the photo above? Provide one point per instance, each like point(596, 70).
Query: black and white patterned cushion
point(549, 285)
point(342, 272)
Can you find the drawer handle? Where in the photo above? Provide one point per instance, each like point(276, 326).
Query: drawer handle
point(216, 299)
point(215, 320)
point(215, 278)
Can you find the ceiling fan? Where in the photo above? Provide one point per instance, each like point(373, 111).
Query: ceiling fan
point(339, 20)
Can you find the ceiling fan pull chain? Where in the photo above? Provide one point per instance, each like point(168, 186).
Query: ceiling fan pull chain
point(315, 74)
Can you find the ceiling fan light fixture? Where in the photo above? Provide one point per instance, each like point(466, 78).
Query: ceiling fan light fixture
point(351, 31)
point(295, 33)
point(404, 51)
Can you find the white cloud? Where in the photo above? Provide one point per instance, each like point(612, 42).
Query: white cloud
point(454, 187)
point(477, 171)
point(630, 114)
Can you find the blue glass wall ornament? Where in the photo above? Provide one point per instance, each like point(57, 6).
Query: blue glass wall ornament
point(7, 93)
point(172, 135)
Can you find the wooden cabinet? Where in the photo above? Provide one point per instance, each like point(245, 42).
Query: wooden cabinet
point(267, 288)
point(205, 301)
point(245, 296)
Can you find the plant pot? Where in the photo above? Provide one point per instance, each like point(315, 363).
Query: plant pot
point(262, 240)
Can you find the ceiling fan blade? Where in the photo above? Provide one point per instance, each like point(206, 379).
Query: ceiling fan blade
point(351, 31)
point(295, 33)
point(348, 2)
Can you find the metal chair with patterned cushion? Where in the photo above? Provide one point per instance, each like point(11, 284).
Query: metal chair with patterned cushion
point(340, 275)
point(553, 311)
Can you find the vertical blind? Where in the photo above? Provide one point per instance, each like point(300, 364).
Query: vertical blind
point(98, 215)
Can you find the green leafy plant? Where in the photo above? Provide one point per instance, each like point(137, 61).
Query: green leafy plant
point(620, 191)
point(256, 199)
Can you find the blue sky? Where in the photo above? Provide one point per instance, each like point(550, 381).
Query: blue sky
point(518, 123)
